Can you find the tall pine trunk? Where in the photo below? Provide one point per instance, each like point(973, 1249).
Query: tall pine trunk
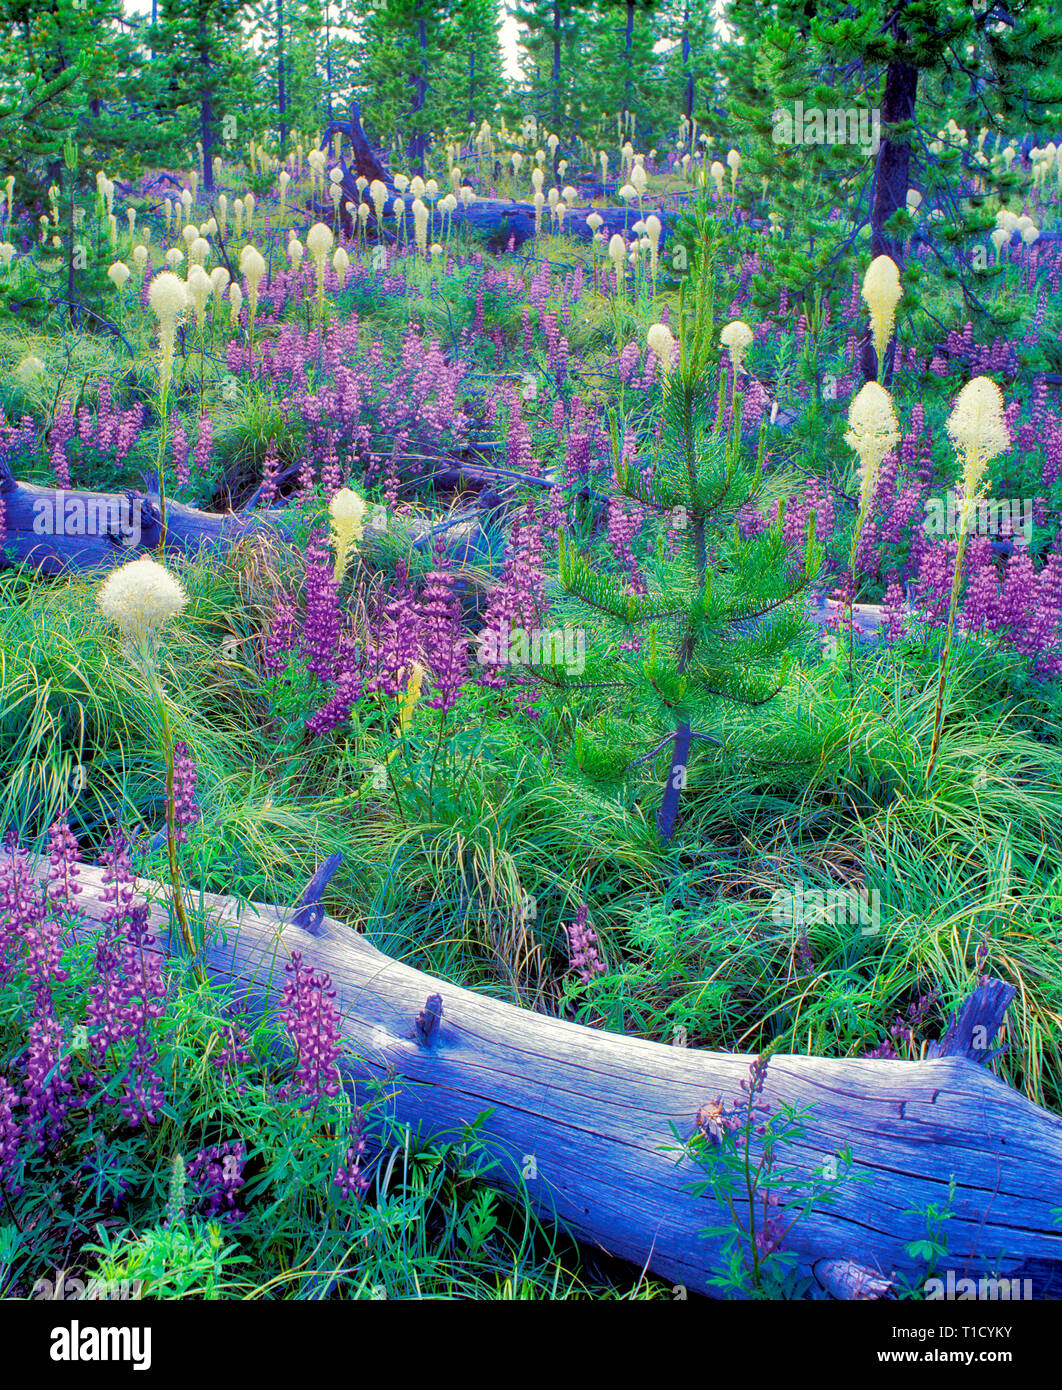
point(328, 57)
point(206, 97)
point(628, 44)
point(555, 76)
point(689, 94)
point(891, 180)
point(282, 96)
point(419, 81)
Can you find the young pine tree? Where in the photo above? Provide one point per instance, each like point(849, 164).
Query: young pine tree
point(711, 623)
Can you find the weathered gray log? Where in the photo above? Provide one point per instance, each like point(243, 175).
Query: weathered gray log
point(110, 541)
point(485, 215)
point(584, 1116)
point(54, 529)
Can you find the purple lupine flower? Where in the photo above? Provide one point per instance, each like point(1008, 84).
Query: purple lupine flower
point(893, 612)
point(269, 475)
point(129, 989)
point(394, 639)
point(283, 634)
point(582, 947)
point(312, 1020)
point(519, 598)
point(331, 472)
point(63, 866)
point(46, 1077)
point(22, 907)
point(186, 810)
point(322, 624)
point(772, 1227)
point(10, 1136)
point(350, 1177)
point(204, 444)
point(106, 416)
point(215, 1176)
point(336, 711)
point(444, 645)
point(180, 450)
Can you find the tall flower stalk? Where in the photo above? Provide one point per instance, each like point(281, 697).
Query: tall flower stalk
point(141, 598)
point(977, 429)
point(168, 297)
point(319, 241)
point(872, 431)
point(882, 292)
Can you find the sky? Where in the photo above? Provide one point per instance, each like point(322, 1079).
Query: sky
point(509, 31)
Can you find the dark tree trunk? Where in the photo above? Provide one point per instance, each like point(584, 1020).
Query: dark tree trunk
point(418, 139)
point(891, 180)
point(676, 776)
point(282, 96)
point(471, 86)
point(628, 44)
point(555, 76)
point(328, 57)
point(689, 97)
point(206, 101)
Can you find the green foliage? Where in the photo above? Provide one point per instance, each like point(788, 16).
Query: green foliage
point(716, 618)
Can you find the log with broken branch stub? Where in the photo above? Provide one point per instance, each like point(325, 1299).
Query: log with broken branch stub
point(582, 1117)
point(190, 531)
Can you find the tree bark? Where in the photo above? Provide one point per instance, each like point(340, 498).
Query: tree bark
point(418, 140)
point(628, 37)
point(689, 98)
point(555, 75)
point(282, 98)
point(206, 98)
point(891, 181)
point(581, 1118)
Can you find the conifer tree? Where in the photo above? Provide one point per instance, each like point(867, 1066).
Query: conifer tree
point(715, 614)
point(471, 82)
point(551, 34)
point(200, 64)
point(400, 51)
point(620, 71)
point(938, 77)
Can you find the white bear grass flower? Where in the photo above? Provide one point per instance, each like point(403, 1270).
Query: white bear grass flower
point(141, 597)
point(347, 510)
point(737, 338)
point(29, 371)
point(661, 342)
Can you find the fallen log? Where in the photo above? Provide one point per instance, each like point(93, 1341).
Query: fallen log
point(483, 214)
point(53, 530)
point(581, 1117)
point(56, 529)
point(493, 215)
